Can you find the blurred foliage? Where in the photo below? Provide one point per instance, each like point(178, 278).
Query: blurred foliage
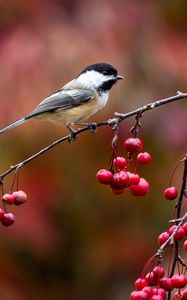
point(73, 239)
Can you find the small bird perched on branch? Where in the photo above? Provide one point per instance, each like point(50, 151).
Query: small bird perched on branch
point(77, 100)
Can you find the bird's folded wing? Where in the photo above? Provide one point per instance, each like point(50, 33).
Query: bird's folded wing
point(63, 99)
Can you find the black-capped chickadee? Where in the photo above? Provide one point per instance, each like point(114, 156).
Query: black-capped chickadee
point(78, 99)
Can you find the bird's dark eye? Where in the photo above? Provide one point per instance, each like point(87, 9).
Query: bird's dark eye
point(104, 72)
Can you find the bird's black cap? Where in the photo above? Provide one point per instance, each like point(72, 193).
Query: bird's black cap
point(105, 69)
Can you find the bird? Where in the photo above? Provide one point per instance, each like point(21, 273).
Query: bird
point(77, 100)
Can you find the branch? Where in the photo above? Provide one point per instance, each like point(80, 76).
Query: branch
point(178, 206)
point(110, 122)
point(179, 220)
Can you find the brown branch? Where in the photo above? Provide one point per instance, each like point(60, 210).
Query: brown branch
point(111, 122)
point(179, 221)
point(178, 207)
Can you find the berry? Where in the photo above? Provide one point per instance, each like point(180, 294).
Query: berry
point(1, 213)
point(140, 295)
point(158, 271)
point(118, 191)
point(144, 158)
point(116, 188)
point(179, 281)
point(134, 178)
point(179, 235)
point(185, 245)
point(19, 197)
point(163, 237)
point(171, 193)
point(156, 297)
point(185, 228)
point(120, 179)
point(148, 290)
point(140, 189)
point(8, 219)
point(120, 162)
point(133, 294)
point(133, 145)
point(151, 278)
point(104, 176)
point(184, 294)
point(8, 199)
point(159, 291)
point(166, 284)
point(140, 283)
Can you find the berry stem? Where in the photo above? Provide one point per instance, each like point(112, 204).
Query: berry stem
point(148, 264)
point(173, 173)
point(2, 192)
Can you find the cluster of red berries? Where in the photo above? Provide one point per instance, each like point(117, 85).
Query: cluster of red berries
point(180, 234)
point(16, 198)
point(154, 286)
point(119, 177)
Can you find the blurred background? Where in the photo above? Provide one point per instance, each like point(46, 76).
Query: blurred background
point(74, 239)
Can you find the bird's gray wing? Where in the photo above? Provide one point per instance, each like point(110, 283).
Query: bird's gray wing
point(63, 99)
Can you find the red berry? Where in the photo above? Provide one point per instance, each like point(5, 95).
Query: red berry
point(163, 237)
point(104, 176)
point(185, 245)
point(120, 162)
point(179, 281)
point(144, 158)
point(158, 271)
point(166, 284)
point(159, 291)
point(134, 178)
point(140, 283)
point(8, 199)
point(186, 156)
point(171, 193)
point(184, 294)
point(185, 228)
point(179, 235)
point(133, 145)
point(151, 278)
point(133, 293)
point(140, 295)
point(148, 290)
point(118, 191)
point(1, 213)
point(140, 189)
point(8, 219)
point(157, 297)
point(120, 179)
point(19, 197)
point(116, 188)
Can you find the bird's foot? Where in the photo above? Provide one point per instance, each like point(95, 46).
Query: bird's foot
point(92, 126)
point(73, 135)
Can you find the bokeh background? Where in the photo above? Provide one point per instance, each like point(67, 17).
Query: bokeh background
point(73, 239)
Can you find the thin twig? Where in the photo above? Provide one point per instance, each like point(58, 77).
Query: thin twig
point(110, 122)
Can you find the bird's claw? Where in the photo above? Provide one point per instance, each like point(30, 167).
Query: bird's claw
point(91, 126)
point(72, 136)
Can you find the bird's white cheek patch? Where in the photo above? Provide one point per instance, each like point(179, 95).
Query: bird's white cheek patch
point(103, 99)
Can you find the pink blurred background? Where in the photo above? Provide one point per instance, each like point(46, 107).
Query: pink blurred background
point(73, 239)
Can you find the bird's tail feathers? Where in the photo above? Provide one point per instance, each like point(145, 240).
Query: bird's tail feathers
point(13, 124)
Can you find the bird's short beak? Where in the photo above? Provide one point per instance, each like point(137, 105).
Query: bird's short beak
point(119, 77)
